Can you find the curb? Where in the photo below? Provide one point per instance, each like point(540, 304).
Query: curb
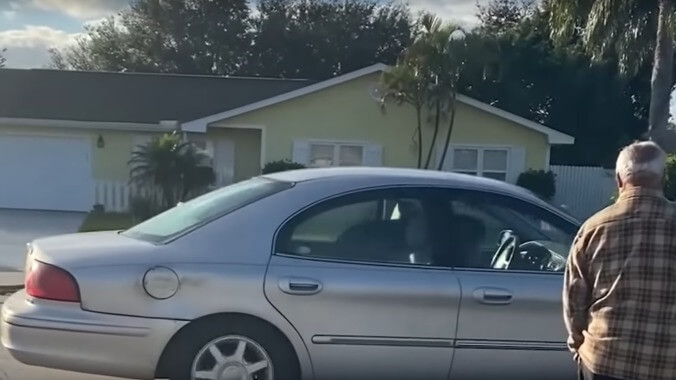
point(9, 290)
point(10, 282)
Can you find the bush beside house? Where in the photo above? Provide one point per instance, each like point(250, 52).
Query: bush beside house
point(540, 182)
point(280, 166)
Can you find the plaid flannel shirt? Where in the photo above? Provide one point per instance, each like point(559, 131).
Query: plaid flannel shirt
point(620, 289)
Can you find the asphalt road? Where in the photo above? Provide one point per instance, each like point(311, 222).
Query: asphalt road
point(12, 370)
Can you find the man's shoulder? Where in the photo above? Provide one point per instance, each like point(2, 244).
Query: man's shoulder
point(621, 211)
point(609, 214)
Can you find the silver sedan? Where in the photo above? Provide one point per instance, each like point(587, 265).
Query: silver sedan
point(343, 273)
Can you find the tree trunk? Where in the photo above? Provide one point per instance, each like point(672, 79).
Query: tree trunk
point(440, 164)
point(434, 136)
point(420, 142)
point(661, 80)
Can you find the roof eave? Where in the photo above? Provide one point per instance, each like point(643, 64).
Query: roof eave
point(79, 124)
point(200, 125)
point(554, 137)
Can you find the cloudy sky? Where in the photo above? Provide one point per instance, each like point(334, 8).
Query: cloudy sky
point(29, 27)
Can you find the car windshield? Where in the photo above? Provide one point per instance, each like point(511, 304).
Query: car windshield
point(204, 209)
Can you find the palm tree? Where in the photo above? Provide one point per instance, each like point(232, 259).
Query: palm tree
point(454, 60)
point(406, 84)
point(634, 32)
point(171, 168)
point(425, 77)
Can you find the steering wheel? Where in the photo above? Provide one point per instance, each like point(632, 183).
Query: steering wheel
point(503, 256)
point(533, 256)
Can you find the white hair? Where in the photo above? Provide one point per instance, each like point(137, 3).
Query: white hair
point(640, 160)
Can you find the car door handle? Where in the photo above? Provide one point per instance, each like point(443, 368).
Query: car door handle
point(300, 286)
point(493, 296)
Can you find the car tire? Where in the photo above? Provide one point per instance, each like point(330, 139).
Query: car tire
point(196, 337)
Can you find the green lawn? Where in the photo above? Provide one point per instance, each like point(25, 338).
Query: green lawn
point(105, 221)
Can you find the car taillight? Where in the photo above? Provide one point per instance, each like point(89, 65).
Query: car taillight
point(52, 283)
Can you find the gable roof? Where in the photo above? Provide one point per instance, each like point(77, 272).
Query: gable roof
point(201, 123)
point(553, 136)
point(128, 97)
point(111, 98)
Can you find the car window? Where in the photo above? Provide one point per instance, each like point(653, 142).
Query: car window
point(378, 226)
point(476, 223)
point(204, 208)
point(492, 224)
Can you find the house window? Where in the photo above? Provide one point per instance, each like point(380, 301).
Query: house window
point(484, 162)
point(328, 154)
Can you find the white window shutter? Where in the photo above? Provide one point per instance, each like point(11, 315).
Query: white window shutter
point(517, 164)
point(301, 152)
point(373, 155)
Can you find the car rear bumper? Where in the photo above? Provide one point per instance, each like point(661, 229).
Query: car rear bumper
point(63, 336)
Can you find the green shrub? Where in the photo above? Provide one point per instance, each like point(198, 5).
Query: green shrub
point(540, 182)
point(280, 166)
point(670, 177)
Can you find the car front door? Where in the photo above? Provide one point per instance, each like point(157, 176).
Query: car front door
point(510, 324)
point(354, 275)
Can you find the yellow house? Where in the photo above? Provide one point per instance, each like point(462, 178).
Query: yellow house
point(79, 129)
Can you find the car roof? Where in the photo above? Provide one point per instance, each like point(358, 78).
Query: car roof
point(402, 175)
point(377, 176)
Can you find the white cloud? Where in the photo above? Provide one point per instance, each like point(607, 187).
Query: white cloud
point(462, 12)
point(81, 9)
point(97, 22)
point(28, 47)
point(35, 36)
point(9, 15)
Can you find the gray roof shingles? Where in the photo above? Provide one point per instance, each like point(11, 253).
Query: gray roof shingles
point(129, 97)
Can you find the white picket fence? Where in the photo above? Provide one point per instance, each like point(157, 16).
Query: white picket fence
point(583, 190)
point(114, 196)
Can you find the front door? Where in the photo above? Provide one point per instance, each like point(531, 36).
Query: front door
point(511, 320)
point(355, 276)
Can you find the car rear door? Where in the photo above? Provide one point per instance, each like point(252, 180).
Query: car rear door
point(510, 324)
point(354, 276)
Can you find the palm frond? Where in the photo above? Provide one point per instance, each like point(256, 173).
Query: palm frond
point(608, 29)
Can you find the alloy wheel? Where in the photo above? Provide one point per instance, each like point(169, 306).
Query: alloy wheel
point(232, 358)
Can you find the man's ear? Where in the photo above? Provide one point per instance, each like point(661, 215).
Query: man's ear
point(618, 179)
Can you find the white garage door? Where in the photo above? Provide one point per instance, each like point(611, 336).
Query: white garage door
point(45, 173)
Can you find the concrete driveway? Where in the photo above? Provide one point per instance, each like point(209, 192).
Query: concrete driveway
point(18, 227)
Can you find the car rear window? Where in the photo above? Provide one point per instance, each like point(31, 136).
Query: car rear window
point(205, 208)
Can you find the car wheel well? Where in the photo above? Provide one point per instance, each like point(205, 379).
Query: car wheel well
point(170, 350)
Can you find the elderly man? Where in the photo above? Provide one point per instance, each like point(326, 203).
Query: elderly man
point(620, 282)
